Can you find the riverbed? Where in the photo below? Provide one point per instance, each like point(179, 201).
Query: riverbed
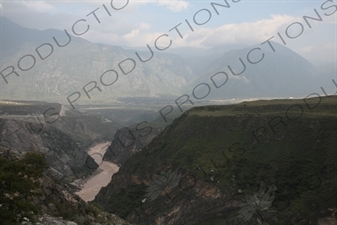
point(91, 187)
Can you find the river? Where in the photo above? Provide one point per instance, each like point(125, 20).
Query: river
point(91, 187)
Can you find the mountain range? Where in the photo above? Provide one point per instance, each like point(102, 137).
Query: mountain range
point(170, 74)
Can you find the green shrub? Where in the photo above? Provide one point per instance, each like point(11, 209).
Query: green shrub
point(19, 182)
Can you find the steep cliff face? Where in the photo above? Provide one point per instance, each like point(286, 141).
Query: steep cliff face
point(271, 162)
point(64, 142)
point(128, 141)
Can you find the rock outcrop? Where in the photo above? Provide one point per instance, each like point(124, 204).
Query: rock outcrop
point(64, 140)
point(128, 141)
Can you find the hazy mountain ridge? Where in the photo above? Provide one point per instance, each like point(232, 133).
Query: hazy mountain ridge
point(282, 73)
point(199, 59)
point(70, 68)
point(67, 70)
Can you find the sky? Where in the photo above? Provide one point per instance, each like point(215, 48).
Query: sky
point(141, 22)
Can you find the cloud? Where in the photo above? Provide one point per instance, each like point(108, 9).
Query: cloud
point(37, 15)
point(325, 52)
point(1, 6)
point(123, 33)
point(133, 34)
point(40, 6)
point(307, 49)
point(247, 32)
point(174, 5)
point(144, 26)
point(331, 19)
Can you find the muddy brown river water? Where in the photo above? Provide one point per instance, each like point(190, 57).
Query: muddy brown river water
point(92, 186)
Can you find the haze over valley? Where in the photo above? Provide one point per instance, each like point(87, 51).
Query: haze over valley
point(82, 71)
point(168, 112)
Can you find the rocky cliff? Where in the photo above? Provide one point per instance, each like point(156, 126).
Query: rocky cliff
point(263, 162)
point(128, 141)
point(63, 139)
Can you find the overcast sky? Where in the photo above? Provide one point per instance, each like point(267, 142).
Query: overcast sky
point(141, 22)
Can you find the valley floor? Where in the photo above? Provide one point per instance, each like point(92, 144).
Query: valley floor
point(91, 187)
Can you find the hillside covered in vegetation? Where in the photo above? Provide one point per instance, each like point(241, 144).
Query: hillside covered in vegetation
point(28, 196)
point(261, 162)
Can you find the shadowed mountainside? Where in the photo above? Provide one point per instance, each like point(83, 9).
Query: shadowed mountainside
point(63, 139)
point(207, 167)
